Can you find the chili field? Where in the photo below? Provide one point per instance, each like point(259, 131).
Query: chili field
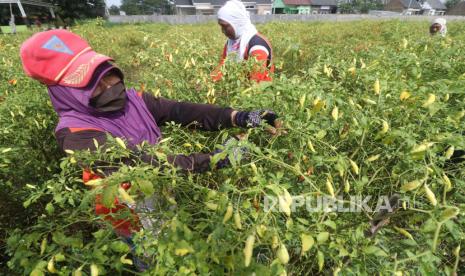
point(372, 113)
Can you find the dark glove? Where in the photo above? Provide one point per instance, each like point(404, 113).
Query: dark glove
point(140, 264)
point(250, 119)
point(237, 153)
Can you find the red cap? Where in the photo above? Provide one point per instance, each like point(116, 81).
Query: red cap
point(60, 57)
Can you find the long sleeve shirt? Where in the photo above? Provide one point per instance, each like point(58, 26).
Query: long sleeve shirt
point(200, 116)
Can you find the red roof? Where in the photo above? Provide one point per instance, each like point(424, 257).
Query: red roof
point(297, 2)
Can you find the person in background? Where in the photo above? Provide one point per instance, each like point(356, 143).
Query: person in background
point(38, 23)
point(244, 41)
point(89, 95)
point(438, 26)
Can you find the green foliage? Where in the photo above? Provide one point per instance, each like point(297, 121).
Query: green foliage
point(135, 7)
point(451, 3)
point(80, 9)
point(66, 11)
point(330, 65)
point(28, 151)
point(114, 10)
point(362, 6)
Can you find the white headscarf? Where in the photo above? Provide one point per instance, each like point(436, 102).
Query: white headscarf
point(442, 22)
point(238, 17)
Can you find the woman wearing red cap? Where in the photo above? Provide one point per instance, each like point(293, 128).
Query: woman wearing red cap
point(244, 41)
point(91, 100)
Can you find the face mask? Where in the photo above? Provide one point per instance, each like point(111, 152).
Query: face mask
point(111, 99)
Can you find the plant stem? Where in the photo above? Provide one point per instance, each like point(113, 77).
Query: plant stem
point(436, 237)
point(456, 264)
point(421, 211)
point(413, 258)
point(360, 146)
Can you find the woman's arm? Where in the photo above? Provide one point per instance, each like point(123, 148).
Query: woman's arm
point(260, 50)
point(84, 139)
point(202, 116)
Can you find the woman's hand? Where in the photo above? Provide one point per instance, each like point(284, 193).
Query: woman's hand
point(251, 119)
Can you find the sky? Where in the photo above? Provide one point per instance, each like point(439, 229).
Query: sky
point(113, 2)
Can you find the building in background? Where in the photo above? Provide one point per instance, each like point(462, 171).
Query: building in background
point(415, 7)
point(323, 6)
point(407, 7)
point(291, 7)
point(304, 6)
point(211, 7)
point(22, 14)
point(433, 7)
point(36, 3)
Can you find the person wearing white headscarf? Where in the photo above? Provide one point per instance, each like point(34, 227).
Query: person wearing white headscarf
point(243, 40)
point(438, 26)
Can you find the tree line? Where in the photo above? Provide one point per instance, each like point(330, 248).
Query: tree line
point(68, 11)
